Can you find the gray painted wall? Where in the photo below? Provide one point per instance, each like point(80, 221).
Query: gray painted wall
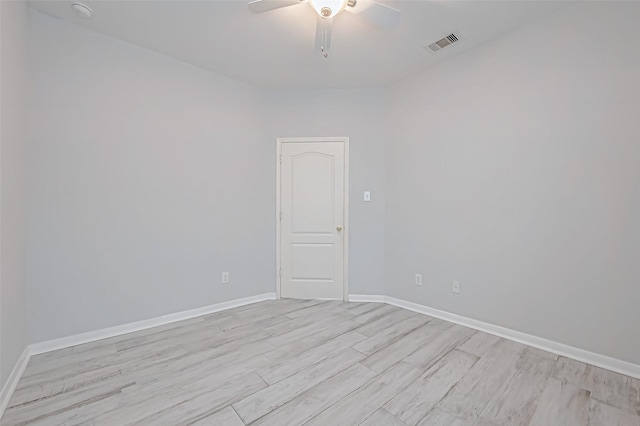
point(13, 137)
point(512, 168)
point(148, 178)
point(358, 114)
point(515, 169)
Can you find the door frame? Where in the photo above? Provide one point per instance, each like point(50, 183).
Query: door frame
point(345, 225)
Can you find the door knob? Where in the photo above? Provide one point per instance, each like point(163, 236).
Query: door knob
point(339, 228)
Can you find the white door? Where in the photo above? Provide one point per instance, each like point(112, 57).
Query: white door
point(312, 220)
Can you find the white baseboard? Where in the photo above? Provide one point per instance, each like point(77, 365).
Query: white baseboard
point(367, 298)
point(92, 336)
point(599, 360)
point(13, 379)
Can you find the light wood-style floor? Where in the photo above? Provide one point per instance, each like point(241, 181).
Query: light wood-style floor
point(291, 362)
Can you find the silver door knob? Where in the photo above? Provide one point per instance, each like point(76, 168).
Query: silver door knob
point(339, 228)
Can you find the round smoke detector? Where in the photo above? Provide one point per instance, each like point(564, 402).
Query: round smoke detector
point(82, 10)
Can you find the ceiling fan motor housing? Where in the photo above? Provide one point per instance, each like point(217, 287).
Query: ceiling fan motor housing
point(326, 12)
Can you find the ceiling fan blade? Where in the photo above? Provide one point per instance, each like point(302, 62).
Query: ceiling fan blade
point(323, 36)
point(376, 13)
point(261, 6)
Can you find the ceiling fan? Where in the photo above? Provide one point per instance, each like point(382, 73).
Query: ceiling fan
point(376, 13)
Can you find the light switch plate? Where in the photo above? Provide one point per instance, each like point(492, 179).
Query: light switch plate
point(367, 196)
point(418, 279)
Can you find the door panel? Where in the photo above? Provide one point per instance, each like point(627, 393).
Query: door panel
point(312, 205)
point(312, 262)
point(313, 192)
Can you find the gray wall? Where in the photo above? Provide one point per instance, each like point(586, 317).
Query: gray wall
point(358, 114)
point(148, 178)
point(515, 169)
point(13, 136)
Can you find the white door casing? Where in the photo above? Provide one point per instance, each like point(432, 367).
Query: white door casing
point(312, 212)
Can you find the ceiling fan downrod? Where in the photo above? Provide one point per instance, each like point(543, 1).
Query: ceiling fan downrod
point(325, 36)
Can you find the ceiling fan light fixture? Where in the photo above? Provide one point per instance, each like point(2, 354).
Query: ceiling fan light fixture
point(328, 8)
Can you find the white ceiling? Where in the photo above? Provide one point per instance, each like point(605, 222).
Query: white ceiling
point(276, 49)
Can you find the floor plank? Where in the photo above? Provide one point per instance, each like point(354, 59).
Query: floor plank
point(515, 404)
point(227, 417)
point(401, 348)
point(479, 344)
point(574, 372)
point(383, 418)
point(441, 344)
point(562, 404)
point(319, 398)
point(421, 396)
point(440, 418)
point(473, 392)
point(604, 414)
point(359, 405)
point(388, 335)
point(294, 362)
point(272, 397)
point(617, 390)
point(290, 365)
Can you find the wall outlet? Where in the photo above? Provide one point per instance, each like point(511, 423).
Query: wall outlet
point(455, 287)
point(418, 279)
point(225, 278)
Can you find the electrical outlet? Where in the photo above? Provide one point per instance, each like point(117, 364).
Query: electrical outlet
point(225, 278)
point(418, 279)
point(455, 287)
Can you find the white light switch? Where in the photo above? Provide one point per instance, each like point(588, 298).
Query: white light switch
point(367, 196)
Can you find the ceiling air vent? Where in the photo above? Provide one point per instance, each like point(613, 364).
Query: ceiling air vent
point(443, 42)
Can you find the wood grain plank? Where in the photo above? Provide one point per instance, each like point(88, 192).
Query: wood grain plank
point(365, 307)
point(438, 346)
point(193, 371)
point(479, 344)
point(192, 407)
point(54, 406)
point(311, 339)
point(320, 397)
point(394, 317)
point(383, 418)
point(437, 417)
point(405, 346)
point(290, 365)
point(390, 334)
point(603, 414)
point(515, 403)
point(257, 405)
point(375, 314)
point(562, 404)
point(574, 372)
point(197, 400)
point(225, 417)
point(421, 396)
point(322, 306)
point(473, 392)
point(80, 415)
point(617, 390)
point(356, 407)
